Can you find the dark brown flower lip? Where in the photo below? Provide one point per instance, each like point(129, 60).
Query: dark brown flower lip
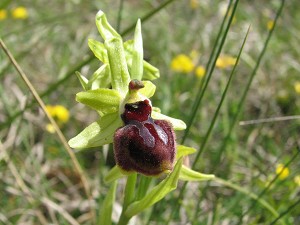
point(143, 144)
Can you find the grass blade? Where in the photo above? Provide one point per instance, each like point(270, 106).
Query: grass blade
point(242, 100)
point(210, 66)
point(208, 133)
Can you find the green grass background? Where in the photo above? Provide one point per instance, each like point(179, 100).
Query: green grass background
point(52, 43)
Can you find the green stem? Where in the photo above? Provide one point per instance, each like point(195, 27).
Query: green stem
point(128, 198)
point(143, 187)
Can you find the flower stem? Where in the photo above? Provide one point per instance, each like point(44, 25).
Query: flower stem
point(128, 198)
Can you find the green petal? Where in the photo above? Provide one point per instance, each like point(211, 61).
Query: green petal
point(157, 193)
point(148, 90)
point(105, 101)
point(187, 174)
point(98, 133)
point(177, 124)
point(183, 151)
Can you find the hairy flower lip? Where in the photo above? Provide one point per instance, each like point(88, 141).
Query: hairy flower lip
point(143, 144)
point(131, 154)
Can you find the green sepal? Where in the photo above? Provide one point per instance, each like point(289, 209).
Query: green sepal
point(98, 133)
point(184, 151)
point(105, 29)
point(83, 81)
point(118, 67)
point(137, 54)
point(149, 72)
point(157, 193)
point(114, 174)
point(187, 174)
point(105, 101)
point(148, 90)
point(113, 43)
point(176, 123)
point(98, 49)
point(107, 205)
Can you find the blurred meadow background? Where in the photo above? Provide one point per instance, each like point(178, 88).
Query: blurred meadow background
point(38, 182)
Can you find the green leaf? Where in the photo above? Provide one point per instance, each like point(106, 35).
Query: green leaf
point(157, 193)
point(148, 90)
point(107, 206)
point(114, 174)
point(187, 174)
point(116, 56)
point(177, 124)
point(183, 151)
point(105, 101)
point(98, 49)
point(138, 54)
point(83, 80)
point(98, 133)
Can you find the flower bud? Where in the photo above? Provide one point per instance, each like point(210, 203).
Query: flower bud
point(143, 144)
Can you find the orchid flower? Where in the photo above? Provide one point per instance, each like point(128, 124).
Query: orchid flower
point(143, 138)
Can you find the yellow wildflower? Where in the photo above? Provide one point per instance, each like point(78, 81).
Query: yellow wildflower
point(270, 24)
point(182, 63)
point(50, 109)
point(200, 71)
point(62, 113)
point(297, 180)
point(297, 87)
point(3, 14)
point(20, 13)
point(282, 171)
point(194, 4)
point(59, 113)
point(225, 61)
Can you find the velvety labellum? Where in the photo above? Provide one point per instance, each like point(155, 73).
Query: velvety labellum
point(143, 144)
